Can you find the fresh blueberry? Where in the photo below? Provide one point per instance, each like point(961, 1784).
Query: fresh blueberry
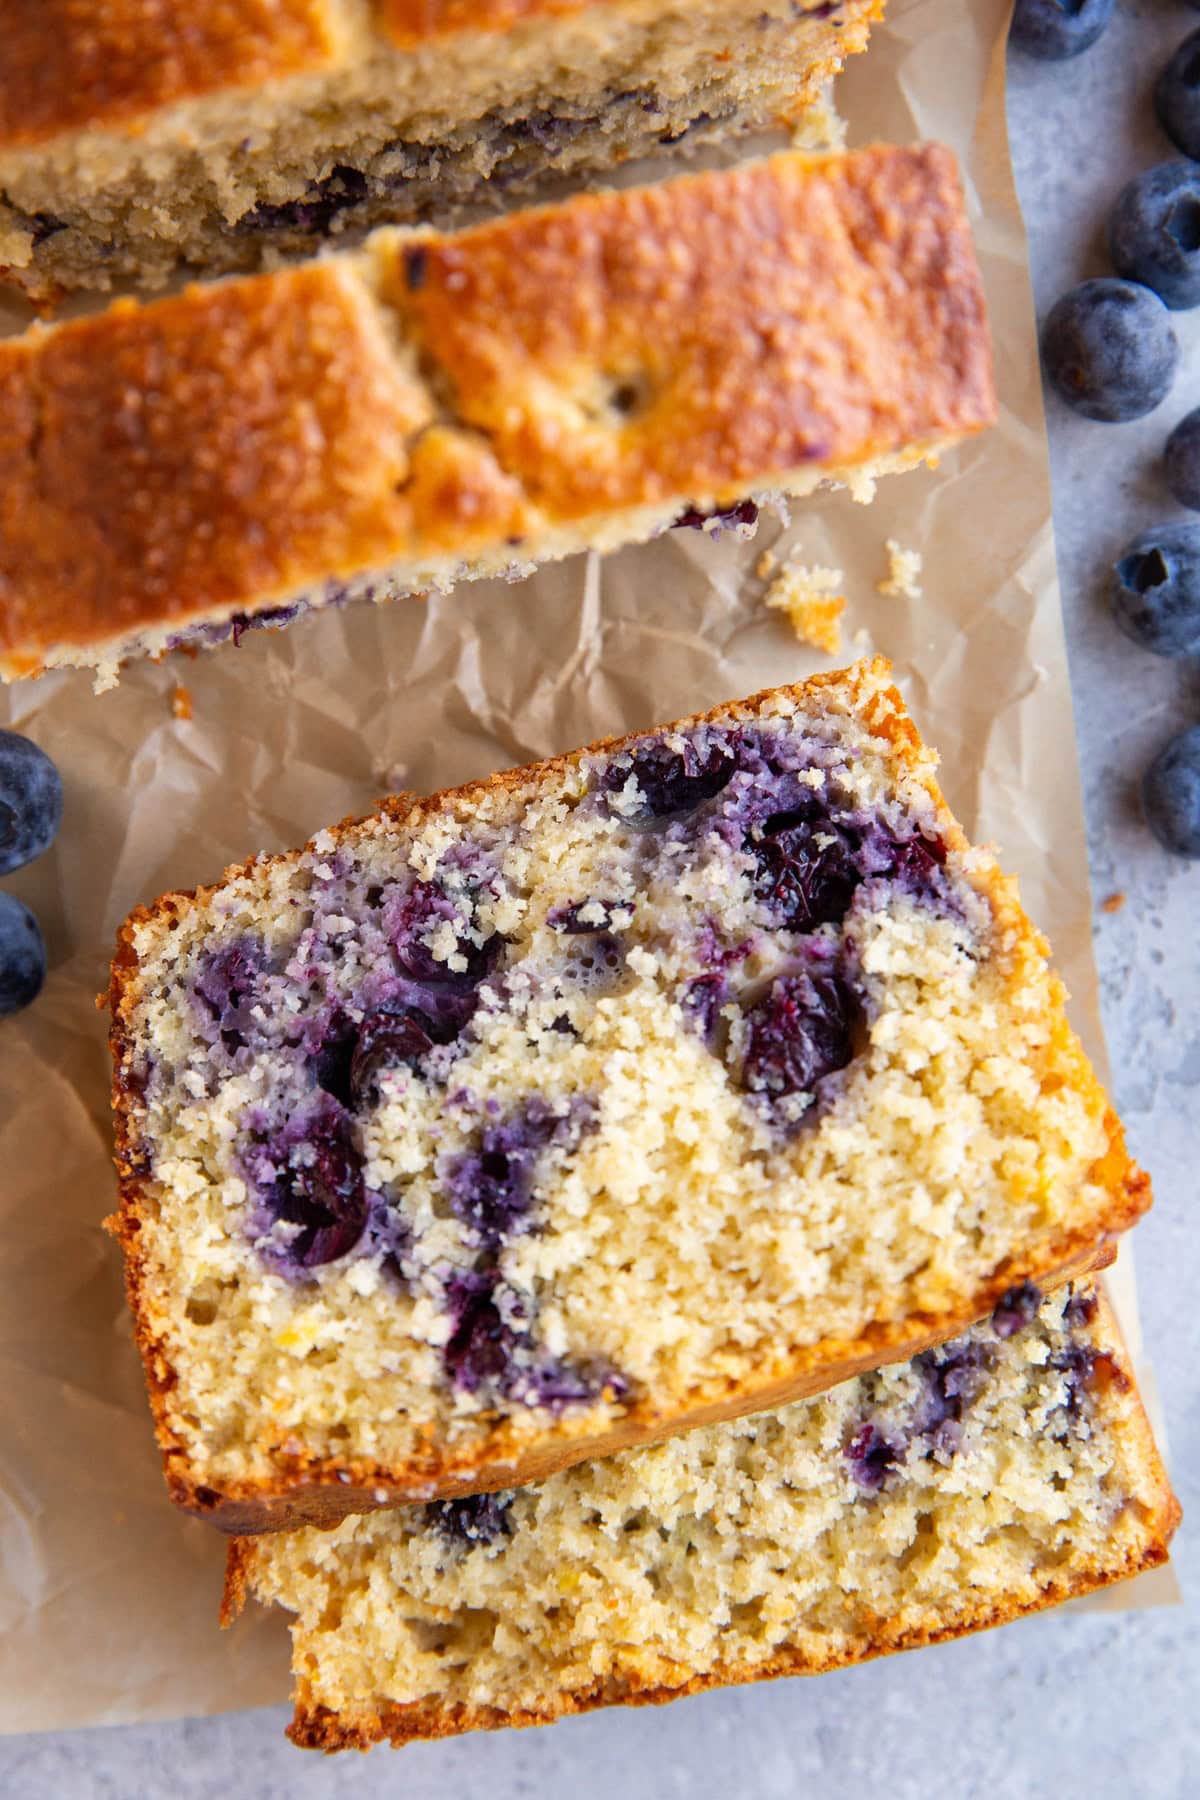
point(1109, 350)
point(1156, 592)
point(1057, 29)
point(22, 956)
point(31, 801)
point(1181, 461)
point(1177, 97)
point(1171, 794)
point(1154, 233)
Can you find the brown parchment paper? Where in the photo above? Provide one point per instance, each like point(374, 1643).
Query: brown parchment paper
point(107, 1596)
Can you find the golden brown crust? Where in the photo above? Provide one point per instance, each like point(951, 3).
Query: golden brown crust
point(69, 64)
point(411, 22)
point(553, 322)
point(306, 1490)
point(408, 23)
point(145, 452)
point(234, 447)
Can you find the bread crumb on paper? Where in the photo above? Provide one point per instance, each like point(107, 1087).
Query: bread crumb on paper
point(819, 126)
point(904, 570)
point(810, 598)
point(181, 702)
point(1113, 903)
point(766, 565)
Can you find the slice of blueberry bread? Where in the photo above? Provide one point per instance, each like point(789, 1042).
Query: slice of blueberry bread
point(651, 1085)
point(141, 137)
point(433, 408)
point(1009, 1469)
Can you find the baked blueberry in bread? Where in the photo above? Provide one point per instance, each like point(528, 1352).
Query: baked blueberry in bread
point(1002, 1472)
point(436, 407)
point(662, 1082)
point(141, 137)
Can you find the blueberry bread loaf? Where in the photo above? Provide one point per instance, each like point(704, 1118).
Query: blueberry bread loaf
point(654, 1084)
point(436, 407)
point(1003, 1472)
point(138, 137)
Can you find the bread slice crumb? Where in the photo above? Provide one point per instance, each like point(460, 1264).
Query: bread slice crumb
point(904, 570)
point(810, 598)
point(181, 702)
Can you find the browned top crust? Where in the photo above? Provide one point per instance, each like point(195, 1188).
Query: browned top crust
point(231, 447)
point(66, 64)
point(410, 22)
point(762, 319)
point(71, 65)
point(216, 444)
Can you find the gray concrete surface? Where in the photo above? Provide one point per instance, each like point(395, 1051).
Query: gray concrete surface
point(1107, 1706)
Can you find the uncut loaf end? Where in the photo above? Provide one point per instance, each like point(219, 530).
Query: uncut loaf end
point(433, 408)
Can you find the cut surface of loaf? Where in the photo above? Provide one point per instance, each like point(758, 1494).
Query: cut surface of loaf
point(435, 407)
point(141, 137)
point(657, 1083)
point(1004, 1471)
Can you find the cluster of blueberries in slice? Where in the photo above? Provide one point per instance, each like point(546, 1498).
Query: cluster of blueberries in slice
point(952, 1376)
point(745, 795)
point(746, 791)
point(302, 1159)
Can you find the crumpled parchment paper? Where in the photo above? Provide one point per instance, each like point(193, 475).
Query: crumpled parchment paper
point(108, 1596)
